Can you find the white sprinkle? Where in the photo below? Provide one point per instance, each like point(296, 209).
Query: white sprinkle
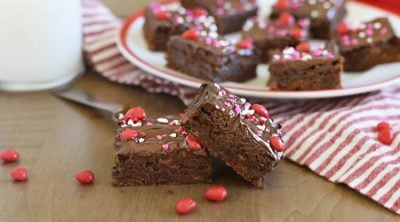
point(369, 40)
point(312, 2)
point(162, 120)
point(172, 135)
point(276, 57)
point(120, 116)
point(243, 100)
point(248, 112)
point(362, 35)
point(261, 127)
point(133, 124)
point(314, 13)
point(141, 140)
point(217, 107)
point(377, 25)
point(327, 5)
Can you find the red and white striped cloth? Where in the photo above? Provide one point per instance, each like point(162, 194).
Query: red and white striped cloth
point(334, 138)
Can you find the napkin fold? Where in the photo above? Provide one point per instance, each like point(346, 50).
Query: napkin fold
point(335, 138)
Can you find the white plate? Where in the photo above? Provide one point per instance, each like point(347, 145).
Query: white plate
point(133, 46)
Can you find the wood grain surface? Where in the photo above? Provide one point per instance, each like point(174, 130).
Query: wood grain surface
point(57, 138)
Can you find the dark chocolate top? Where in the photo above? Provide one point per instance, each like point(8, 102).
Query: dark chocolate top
point(364, 34)
point(261, 128)
point(179, 17)
point(313, 9)
point(291, 54)
point(260, 29)
point(228, 7)
point(153, 135)
point(213, 45)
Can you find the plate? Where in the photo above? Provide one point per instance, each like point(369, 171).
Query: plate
point(133, 46)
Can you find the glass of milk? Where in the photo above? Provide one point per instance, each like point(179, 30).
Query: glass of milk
point(40, 43)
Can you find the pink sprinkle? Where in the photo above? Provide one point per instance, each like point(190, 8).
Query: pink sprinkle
point(318, 52)
point(354, 41)
point(237, 109)
point(220, 11)
point(149, 124)
point(155, 6)
point(208, 41)
point(270, 29)
point(165, 147)
point(216, 43)
point(384, 31)
point(173, 123)
point(259, 133)
point(227, 104)
point(369, 32)
point(159, 137)
point(247, 106)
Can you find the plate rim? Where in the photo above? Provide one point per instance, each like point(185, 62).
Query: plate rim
point(192, 82)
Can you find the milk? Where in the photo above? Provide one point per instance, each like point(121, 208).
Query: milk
point(40, 43)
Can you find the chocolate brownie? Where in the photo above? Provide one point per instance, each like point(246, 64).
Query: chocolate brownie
point(230, 15)
point(325, 15)
point(239, 133)
point(306, 69)
point(369, 44)
point(269, 36)
point(159, 151)
point(210, 57)
point(161, 22)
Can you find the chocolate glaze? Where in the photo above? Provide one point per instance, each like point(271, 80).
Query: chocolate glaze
point(233, 132)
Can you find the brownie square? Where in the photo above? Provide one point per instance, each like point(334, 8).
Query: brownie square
point(270, 36)
point(240, 134)
point(159, 151)
point(369, 44)
point(210, 57)
point(230, 15)
point(317, 69)
point(162, 22)
point(325, 15)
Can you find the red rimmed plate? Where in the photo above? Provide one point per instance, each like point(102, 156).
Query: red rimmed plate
point(133, 46)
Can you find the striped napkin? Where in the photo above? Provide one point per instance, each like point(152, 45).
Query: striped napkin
point(334, 138)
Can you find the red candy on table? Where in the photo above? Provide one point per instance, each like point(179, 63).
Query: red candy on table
point(9, 155)
point(19, 174)
point(136, 114)
point(260, 110)
point(192, 142)
point(185, 205)
point(303, 47)
point(163, 15)
point(245, 43)
point(286, 19)
point(191, 34)
point(128, 134)
point(85, 177)
point(216, 193)
point(385, 136)
point(277, 143)
point(383, 125)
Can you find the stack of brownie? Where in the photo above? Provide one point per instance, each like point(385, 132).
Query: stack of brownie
point(173, 150)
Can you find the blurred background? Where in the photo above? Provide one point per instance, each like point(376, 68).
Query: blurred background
point(124, 8)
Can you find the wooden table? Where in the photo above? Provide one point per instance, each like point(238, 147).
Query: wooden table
point(57, 138)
